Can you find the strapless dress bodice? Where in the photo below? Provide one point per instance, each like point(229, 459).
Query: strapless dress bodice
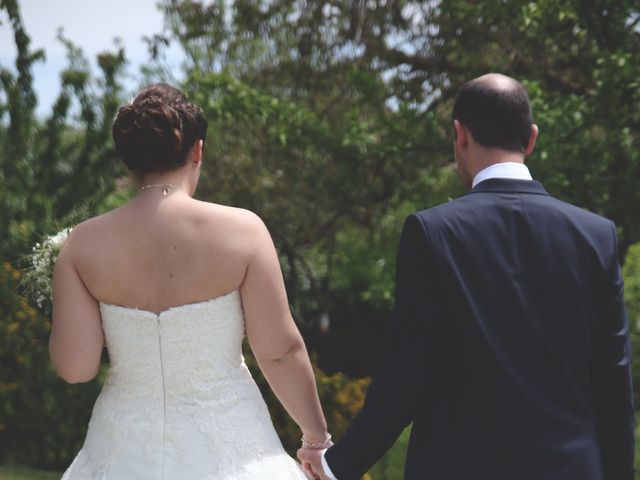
point(178, 401)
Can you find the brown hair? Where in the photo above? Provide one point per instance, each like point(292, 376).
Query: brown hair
point(155, 132)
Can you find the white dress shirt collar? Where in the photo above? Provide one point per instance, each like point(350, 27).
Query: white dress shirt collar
point(513, 170)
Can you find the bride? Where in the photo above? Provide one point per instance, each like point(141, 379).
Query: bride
point(170, 285)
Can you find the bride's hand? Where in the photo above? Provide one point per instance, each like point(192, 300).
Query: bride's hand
point(311, 459)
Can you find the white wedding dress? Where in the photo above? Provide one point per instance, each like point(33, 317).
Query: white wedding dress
point(179, 402)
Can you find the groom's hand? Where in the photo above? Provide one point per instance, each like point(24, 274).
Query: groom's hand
point(311, 459)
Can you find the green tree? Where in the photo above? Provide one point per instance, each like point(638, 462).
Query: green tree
point(51, 168)
point(577, 58)
point(312, 139)
point(54, 172)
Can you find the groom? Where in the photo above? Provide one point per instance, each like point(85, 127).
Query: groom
point(509, 343)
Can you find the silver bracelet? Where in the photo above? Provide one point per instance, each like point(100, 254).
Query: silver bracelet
point(317, 445)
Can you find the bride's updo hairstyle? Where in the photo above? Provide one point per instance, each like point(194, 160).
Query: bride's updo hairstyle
point(155, 132)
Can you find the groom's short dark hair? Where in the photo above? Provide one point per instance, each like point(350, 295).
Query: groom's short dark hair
point(496, 111)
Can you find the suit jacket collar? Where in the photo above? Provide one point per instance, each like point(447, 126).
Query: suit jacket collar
point(509, 185)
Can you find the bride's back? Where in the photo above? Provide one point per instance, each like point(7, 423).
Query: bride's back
point(178, 401)
point(171, 285)
point(162, 248)
point(159, 251)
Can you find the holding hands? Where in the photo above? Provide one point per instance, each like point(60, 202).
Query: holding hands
point(310, 455)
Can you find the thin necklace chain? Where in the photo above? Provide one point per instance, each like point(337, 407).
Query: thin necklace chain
point(165, 188)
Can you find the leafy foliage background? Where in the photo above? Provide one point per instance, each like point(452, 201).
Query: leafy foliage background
point(331, 120)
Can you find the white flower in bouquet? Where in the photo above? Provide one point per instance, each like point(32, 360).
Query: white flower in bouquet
point(38, 278)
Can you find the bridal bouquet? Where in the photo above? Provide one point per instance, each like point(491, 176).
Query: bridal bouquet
point(37, 279)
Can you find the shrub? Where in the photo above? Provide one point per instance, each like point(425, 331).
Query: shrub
point(42, 419)
point(631, 272)
point(341, 398)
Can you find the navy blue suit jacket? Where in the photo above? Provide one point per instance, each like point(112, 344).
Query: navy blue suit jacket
point(508, 347)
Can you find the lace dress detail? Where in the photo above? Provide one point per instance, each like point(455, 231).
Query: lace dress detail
point(179, 402)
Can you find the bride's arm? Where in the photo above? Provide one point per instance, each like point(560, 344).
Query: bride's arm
point(76, 341)
point(275, 339)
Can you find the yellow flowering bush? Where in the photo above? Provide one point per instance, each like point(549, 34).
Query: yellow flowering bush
point(42, 419)
point(341, 398)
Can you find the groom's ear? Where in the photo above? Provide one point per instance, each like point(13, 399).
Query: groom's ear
point(460, 135)
point(532, 140)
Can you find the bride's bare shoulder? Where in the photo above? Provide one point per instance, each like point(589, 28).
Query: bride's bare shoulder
point(233, 217)
point(89, 234)
point(92, 225)
point(243, 229)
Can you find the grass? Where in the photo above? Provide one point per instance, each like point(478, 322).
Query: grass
point(24, 473)
point(391, 466)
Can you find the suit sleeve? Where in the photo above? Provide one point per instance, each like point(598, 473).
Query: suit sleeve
point(611, 379)
point(410, 366)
